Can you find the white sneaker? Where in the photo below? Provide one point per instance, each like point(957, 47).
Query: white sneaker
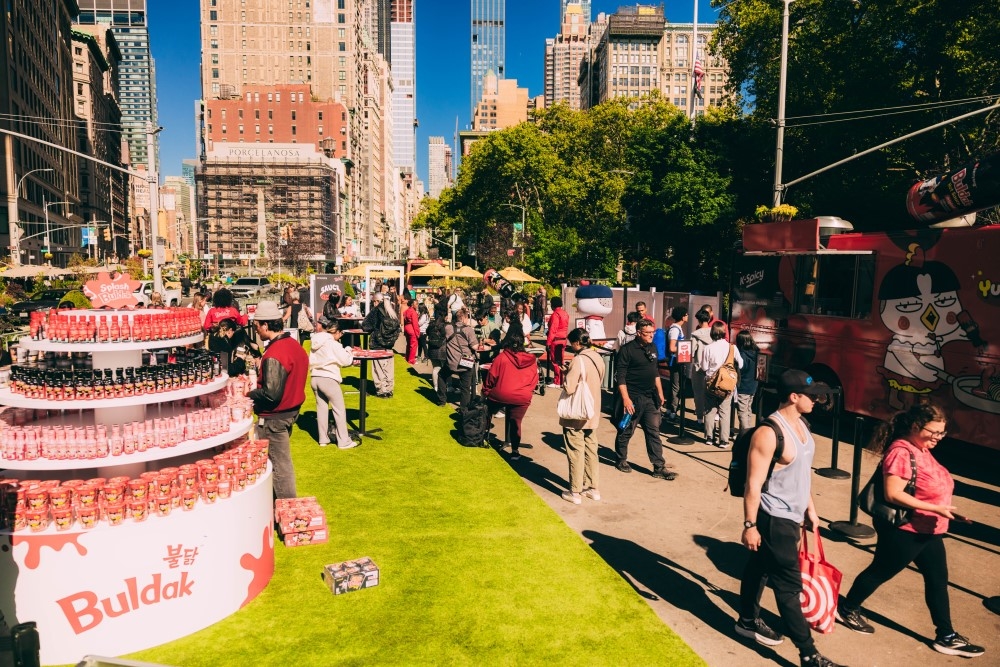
point(571, 497)
point(593, 494)
point(553, 385)
point(499, 413)
point(323, 444)
point(351, 445)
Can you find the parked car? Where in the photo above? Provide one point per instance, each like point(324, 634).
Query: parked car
point(44, 300)
point(171, 297)
point(250, 287)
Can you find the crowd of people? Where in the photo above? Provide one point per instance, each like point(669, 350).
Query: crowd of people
point(478, 345)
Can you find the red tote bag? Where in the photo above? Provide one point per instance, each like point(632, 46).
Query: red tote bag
point(820, 585)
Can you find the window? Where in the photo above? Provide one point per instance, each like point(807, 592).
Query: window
point(839, 285)
point(294, 131)
point(256, 129)
point(320, 115)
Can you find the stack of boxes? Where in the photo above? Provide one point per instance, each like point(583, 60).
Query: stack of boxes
point(352, 575)
point(301, 521)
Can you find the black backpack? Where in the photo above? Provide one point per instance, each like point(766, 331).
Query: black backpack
point(436, 337)
point(474, 423)
point(741, 451)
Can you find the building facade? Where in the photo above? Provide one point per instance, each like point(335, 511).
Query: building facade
point(488, 45)
point(103, 191)
point(502, 104)
point(404, 85)
point(182, 236)
point(332, 47)
point(635, 52)
point(564, 55)
point(137, 74)
point(273, 202)
point(565, 6)
point(439, 166)
point(36, 68)
point(677, 66)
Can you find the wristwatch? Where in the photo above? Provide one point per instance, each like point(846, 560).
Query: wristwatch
point(749, 524)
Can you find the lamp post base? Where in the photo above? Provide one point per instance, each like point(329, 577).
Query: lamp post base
point(855, 531)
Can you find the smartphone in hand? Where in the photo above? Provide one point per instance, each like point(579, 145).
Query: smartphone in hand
point(960, 518)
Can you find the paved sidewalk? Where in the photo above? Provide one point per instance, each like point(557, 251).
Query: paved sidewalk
point(677, 543)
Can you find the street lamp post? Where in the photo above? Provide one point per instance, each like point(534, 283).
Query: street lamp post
point(154, 206)
point(45, 205)
point(779, 151)
point(14, 218)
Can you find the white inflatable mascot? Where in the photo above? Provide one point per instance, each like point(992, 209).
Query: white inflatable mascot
point(594, 303)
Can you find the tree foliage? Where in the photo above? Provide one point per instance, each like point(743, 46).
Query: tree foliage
point(617, 192)
point(861, 73)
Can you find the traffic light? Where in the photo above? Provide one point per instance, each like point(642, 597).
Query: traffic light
point(107, 234)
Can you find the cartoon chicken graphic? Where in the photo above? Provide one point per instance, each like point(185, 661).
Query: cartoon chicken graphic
point(920, 305)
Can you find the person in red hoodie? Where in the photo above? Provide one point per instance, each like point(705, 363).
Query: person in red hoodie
point(511, 382)
point(411, 329)
point(556, 341)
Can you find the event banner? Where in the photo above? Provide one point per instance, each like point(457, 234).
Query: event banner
point(321, 287)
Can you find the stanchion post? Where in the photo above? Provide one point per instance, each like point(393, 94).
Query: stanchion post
point(834, 472)
point(852, 528)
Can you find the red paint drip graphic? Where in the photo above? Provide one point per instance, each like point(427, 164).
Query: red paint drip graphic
point(262, 566)
point(55, 542)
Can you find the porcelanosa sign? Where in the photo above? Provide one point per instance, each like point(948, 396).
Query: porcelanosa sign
point(263, 152)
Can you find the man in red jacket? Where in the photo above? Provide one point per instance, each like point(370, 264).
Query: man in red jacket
point(511, 382)
point(280, 393)
point(556, 341)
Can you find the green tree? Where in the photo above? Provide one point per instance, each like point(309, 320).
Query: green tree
point(861, 73)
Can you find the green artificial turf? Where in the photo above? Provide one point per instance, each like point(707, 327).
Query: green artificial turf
point(475, 568)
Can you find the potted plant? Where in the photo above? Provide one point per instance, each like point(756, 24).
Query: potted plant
point(779, 213)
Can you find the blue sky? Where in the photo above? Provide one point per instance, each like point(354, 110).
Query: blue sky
point(442, 63)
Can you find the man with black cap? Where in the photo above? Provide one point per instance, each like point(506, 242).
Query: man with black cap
point(774, 507)
point(280, 393)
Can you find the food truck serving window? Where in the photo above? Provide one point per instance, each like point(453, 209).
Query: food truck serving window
point(835, 284)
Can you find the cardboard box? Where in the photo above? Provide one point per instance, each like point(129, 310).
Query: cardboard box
point(294, 520)
point(317, 535)
point(351, 575)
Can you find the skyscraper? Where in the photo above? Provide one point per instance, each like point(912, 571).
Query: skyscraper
point(584, 9)
point(438, 165)
point(137, 74)
point(488, 44)
point(404, 103)
point(564, 54)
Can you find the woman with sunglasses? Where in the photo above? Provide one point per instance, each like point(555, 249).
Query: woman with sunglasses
point(911, 436)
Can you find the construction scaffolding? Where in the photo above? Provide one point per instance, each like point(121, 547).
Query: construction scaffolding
point(278, 211)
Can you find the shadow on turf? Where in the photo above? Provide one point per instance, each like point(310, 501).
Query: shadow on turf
point(656, 577)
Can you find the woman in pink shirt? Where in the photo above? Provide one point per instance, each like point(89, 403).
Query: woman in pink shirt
point(913, 434)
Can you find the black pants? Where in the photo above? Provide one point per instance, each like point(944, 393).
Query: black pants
point(894, 551)
point(465, 379)
point(646, 415)
point(776, 562)
point(677, 376)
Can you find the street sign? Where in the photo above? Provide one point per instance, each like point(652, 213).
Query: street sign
point(518, 227)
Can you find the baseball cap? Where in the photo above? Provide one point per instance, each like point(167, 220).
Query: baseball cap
point(267, 311)
point(794, 381)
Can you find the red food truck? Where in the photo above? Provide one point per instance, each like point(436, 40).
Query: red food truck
point(885, 316)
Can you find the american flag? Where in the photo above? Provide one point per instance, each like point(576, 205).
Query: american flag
point(699, 75)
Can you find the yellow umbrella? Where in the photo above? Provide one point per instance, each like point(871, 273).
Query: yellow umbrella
point(516, 275)
point(359, 272)
point(431, 271)
point(466, 272)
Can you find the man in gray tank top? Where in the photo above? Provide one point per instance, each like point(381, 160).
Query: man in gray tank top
point(773, 512)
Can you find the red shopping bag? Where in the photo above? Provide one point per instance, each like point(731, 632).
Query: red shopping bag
point(820, 585)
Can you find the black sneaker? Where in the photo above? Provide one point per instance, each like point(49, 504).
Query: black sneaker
point(758, 631)
point(853, 620)
point(623, 466)
point(817, 660)
point(663, 473)
point(956, 644)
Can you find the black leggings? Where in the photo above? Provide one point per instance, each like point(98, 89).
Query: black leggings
point(895, 550)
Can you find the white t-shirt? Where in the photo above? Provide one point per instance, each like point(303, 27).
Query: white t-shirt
point(711, 357)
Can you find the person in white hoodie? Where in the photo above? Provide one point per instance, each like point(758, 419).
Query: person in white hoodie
point(709, 360)
point(326, 358)
point(628, 333)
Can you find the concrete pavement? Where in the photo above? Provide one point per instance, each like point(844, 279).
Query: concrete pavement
point(677, 543)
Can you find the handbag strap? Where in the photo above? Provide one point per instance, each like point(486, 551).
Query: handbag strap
point(819, 542)
point(911, 484)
